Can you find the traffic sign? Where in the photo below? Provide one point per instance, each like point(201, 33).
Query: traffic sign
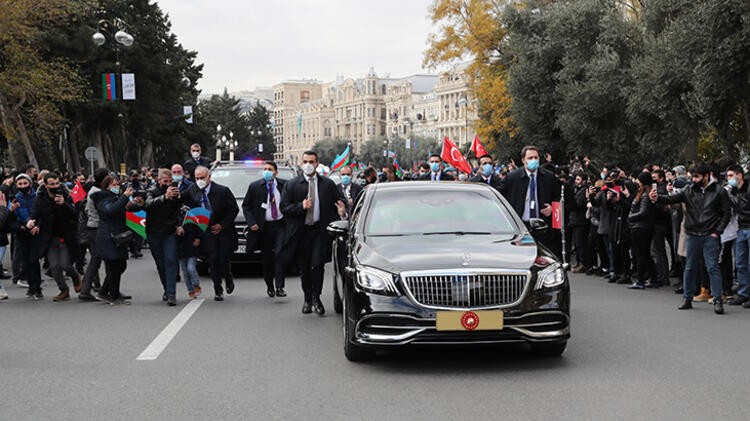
point(92, 153)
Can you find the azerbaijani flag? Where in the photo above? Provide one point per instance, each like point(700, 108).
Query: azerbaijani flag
point(109, 87)
point(199, 217)
point(399, 172)
point(391, 154)
point(340, 160)
point(136, 221)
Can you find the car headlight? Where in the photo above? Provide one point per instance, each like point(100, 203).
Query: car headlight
point(376, 280)
point(551, 276)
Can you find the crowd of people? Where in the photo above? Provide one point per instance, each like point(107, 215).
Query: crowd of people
point(640, 228)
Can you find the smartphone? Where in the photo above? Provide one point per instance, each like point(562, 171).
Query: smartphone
point(174, 184)
point(653, 186)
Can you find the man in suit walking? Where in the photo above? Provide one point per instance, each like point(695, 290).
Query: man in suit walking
point(195, 161)
point(220, 239)
point(437, 173)
point(531, 191)
point(309, 203)
point(486, 173)
point(266, 226)
point(349, 190)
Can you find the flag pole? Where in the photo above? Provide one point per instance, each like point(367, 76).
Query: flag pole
point(566, 266)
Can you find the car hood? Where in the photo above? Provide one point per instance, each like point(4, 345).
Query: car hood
point(436, 252)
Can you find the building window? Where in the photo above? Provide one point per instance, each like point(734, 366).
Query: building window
point(304, 96)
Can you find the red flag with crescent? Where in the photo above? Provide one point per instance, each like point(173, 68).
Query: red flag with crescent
point(478, 148)
point(453, 156)
point(556, 216)
point(78, 193)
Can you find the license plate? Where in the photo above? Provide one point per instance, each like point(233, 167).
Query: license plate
point(240, 249)
point(469, 320)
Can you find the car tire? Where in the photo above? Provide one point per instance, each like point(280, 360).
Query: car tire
point(549, 349)
point(352, 351)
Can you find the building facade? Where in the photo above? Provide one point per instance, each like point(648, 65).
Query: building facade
point(370, 108)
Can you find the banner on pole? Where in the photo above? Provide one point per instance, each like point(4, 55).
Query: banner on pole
point(109, 87)
point(187, 111)
point(128, 86)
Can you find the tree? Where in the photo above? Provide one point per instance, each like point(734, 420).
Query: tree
point(32, 86)
point(471, 29)
point(259, 120)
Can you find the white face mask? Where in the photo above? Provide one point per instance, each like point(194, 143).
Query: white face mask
point(308, 169)
point(195, 155)
point(202, 184)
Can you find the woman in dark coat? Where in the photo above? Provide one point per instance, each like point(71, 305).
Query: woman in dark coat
point(641, 223)
point(112, 206)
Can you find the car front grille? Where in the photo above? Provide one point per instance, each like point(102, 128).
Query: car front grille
point(465, 290)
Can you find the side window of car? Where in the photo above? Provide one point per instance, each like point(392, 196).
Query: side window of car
point(357, 210)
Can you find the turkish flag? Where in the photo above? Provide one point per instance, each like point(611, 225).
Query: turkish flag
point(556, 216)
point(78, 192)
point(477, 148)
point(453, 156)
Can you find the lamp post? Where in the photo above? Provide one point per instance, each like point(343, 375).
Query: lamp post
point(218, 143)
point(464, 103)
point(116, 28)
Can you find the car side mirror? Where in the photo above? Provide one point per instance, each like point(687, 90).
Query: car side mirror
point(338, 228)
point(537, 225)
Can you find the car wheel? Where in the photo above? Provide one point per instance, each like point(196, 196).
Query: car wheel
point(352, 351)
point(549, 349)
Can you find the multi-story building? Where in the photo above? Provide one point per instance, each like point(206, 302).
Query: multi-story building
point(369, 108)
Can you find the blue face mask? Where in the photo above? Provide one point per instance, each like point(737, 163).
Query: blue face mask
point(115, 190)
point(435, 166)
point(177, 178)
point(603, 175)
point(487, 169)
point(732, 182)
point(532, 164)
point(346, 180)
point(267, 175)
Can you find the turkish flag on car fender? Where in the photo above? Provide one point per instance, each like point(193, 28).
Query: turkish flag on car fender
point(453, 156)
point(78, 193)
point(556, 216)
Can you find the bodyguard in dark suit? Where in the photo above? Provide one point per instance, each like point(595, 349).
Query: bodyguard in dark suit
point(349, 190)
point(486, 173)
point(309, 203)
point(266, 226)
point(195, 161)
point(220, 239)
point(436, 170)
point(531, 191)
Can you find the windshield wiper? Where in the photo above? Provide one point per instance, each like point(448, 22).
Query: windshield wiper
point(457, 233)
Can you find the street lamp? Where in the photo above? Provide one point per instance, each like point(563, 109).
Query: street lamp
point(218, 142)
point(463, 103)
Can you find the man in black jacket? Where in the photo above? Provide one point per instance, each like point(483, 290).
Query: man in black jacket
point(163, 202)
point(707, 212)
point(348, 188)
point(740, 197)
point(195, 161)
point(531, 191)
point(52, 222)
point(578, 223)
point(662, 231)
point(309, 203)
point(486, 173)
point(220, 239)
point(266, 226)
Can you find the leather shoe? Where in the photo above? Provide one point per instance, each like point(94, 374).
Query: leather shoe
point(126, 297)
point(654, 285)
point(318, 307)
point(718, 307)
point(306, 308)
point(218, 297)
point(280, 292)
point(230, 283)
point(171, 301)
point(271, 292)
point(737, 301)
point(685, 305)
point(679, 289)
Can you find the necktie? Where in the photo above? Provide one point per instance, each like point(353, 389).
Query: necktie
point(310, 216)
point(204, 200)
point(532, 196)
point(272, 200)
point(434, 177)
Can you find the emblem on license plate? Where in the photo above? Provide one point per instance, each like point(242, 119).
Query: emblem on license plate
point(470, 320)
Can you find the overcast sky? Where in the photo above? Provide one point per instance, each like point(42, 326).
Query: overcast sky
point(248, 43)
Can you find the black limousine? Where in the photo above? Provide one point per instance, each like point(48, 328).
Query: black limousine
point(425, 263)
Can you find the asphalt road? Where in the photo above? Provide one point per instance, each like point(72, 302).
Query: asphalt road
point(633, 356)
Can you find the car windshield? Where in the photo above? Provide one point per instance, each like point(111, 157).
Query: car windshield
point(238, 179)
point(437, 212)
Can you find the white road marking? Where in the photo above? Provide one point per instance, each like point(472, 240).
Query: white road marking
point(159, 344)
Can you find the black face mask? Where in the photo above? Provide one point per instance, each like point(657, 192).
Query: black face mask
point(25, 190)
